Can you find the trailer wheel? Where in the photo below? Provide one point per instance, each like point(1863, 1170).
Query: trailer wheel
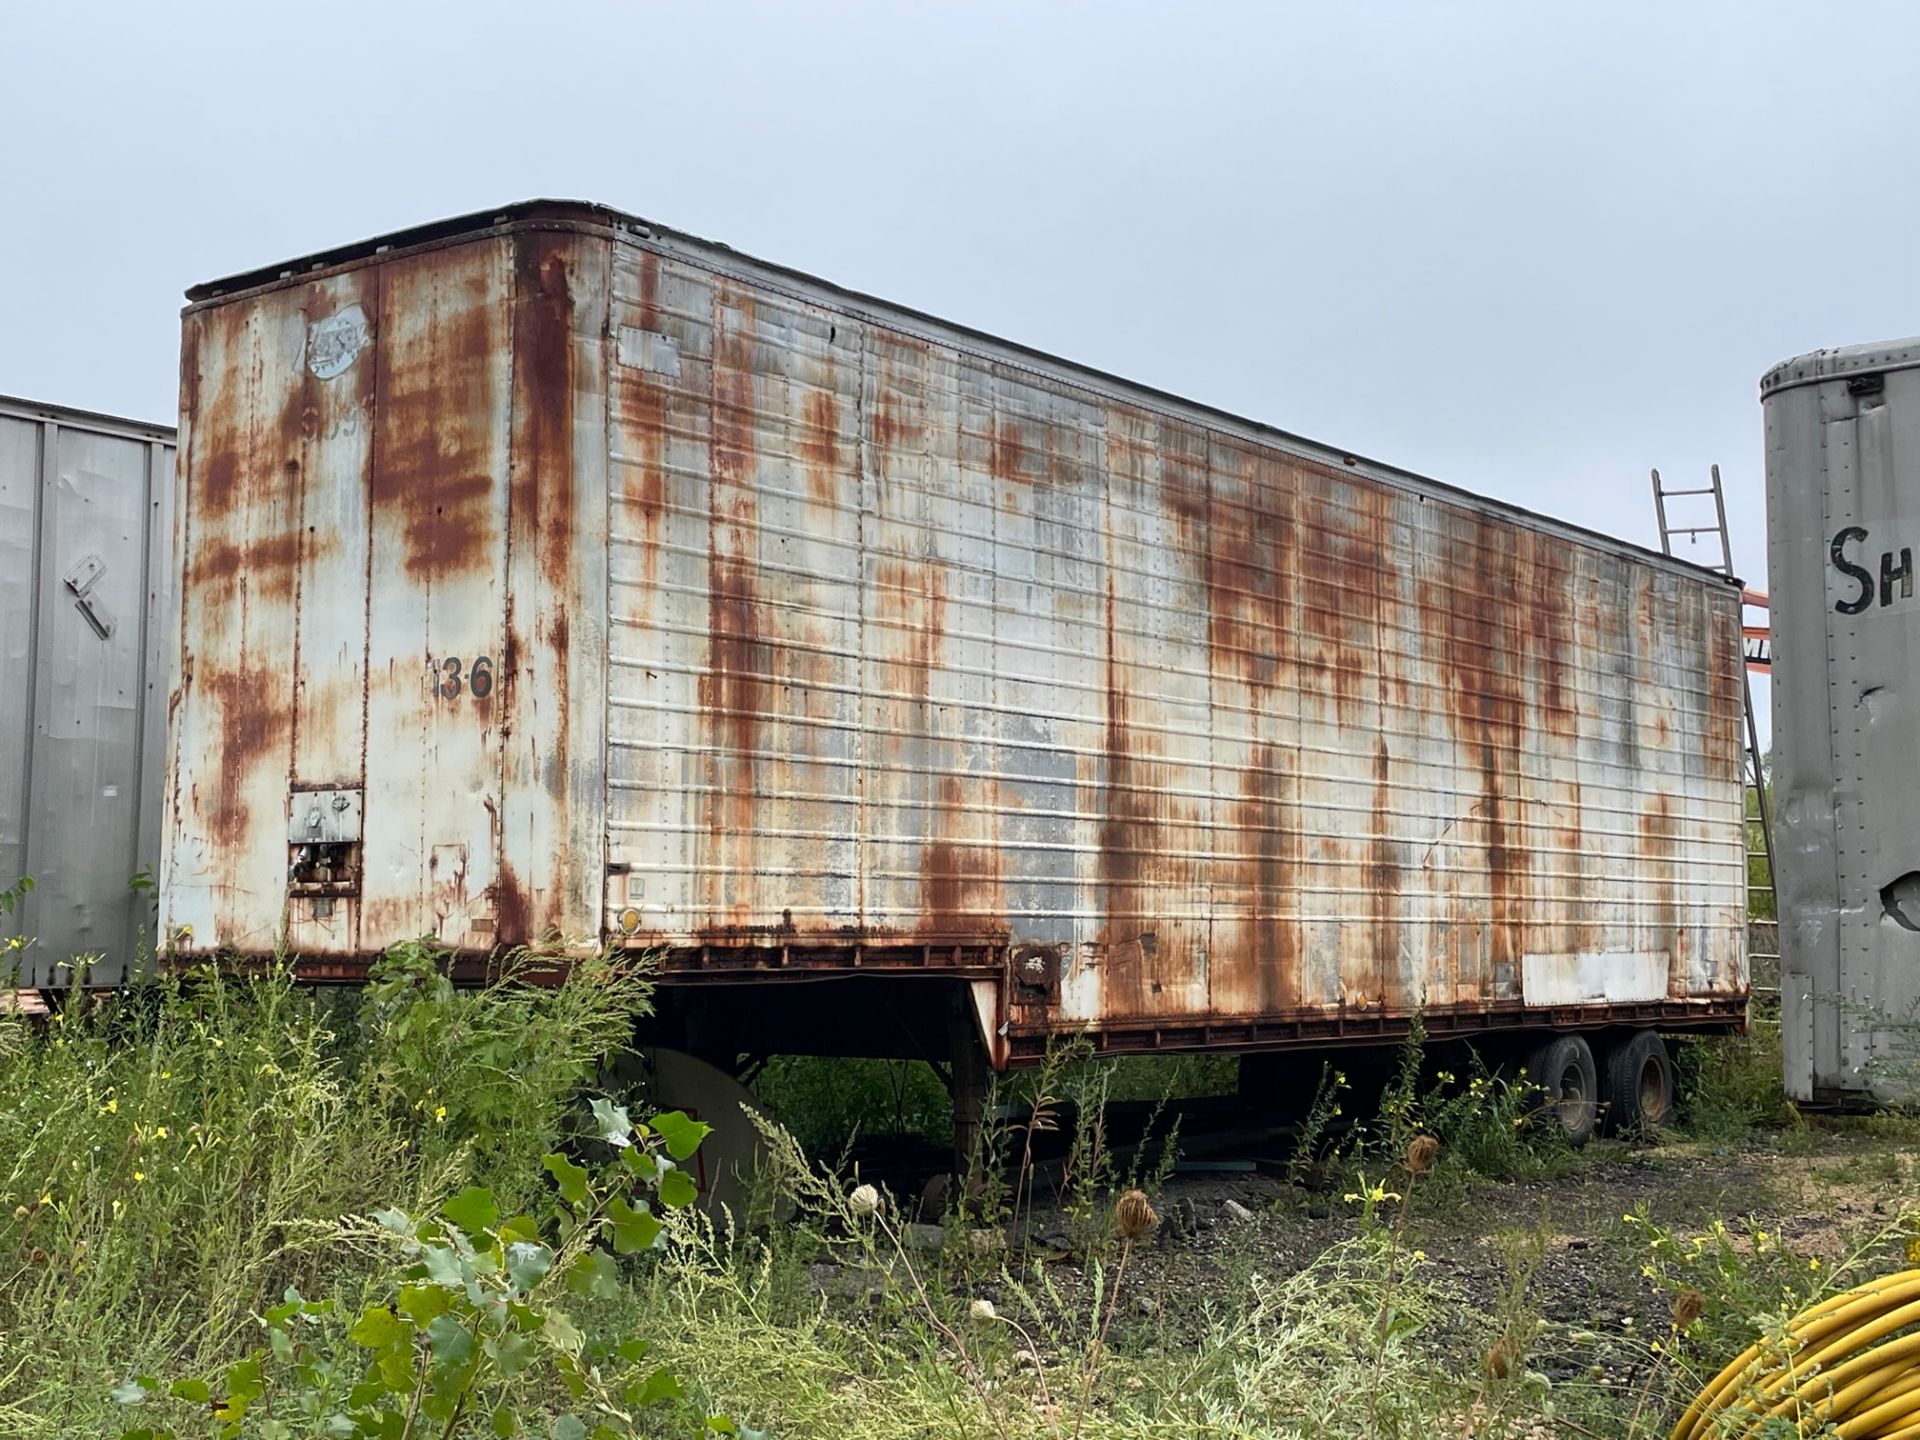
point(1638, 1085)
point(1570, 1093)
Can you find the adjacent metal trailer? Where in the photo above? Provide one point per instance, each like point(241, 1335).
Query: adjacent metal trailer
point(1843, 522)
point(86, 514)
point(554, 577)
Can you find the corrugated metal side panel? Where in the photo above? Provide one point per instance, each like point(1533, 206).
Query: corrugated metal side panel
point(19, 549)
point(1843, 521)
point(85, 504)
point(949, 649)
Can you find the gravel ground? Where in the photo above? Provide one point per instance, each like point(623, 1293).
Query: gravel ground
point(1820, 1189)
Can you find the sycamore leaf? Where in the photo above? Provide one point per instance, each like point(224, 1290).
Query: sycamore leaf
point(450, 1341)
point(634, 1229)
point(661, 1386)
point(378, 1328)
point(562, 1333)
point(615, 1126)
point(571, 1178)
point(443, 1266)
point(394, 1220)
point(677, 1189)
point(594, 1273)
point(681, 1133)
point(526, 1263)
point(472, 1210)
point(421, 1303)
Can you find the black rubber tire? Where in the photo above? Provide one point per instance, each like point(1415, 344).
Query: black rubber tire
point(1563, 1068)
point(1637, 1083)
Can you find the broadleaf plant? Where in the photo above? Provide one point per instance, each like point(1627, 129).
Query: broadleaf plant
point(475, 1326)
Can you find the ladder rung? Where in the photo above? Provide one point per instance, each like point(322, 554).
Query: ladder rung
point(1669, 494)
point(1693, 530)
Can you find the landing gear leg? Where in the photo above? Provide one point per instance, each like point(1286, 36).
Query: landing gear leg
point(971, 1076)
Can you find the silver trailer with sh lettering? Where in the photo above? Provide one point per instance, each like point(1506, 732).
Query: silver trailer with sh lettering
point(86, 583)
point(1843, 524)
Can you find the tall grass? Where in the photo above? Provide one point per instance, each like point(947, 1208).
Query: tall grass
point(171, 1159)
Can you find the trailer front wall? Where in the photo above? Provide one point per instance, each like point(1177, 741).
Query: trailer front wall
point(911, 641)
point(85, 585)
point(393, 546)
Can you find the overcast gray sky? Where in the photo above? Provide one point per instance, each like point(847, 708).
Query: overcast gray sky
point(1526, 249)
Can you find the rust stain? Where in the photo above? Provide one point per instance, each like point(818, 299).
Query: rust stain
point(266, 563)
point(1252, 559)
point(1383, 880)
point(219, 475)
point(912, 597)
point(512, 908)
point(1268, 877)
point(1550, 633)
point(543, 375)
point(434, 415)
point(1660, 849)
point(1009, 456)
point(649, 290)
point(1724, 666)
point(1134, 814)
point(1483, 640)
point(540, 509)
point(884, 423)
point(217, 478)
point(1343, 550)
point(733, 690)
point(819, 446)
point(641, 399)
point(253, 723)
point(645, 403)
point(733, 687)
point(959, 878)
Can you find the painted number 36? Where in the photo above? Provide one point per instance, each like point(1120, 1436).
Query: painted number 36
point(448, 679)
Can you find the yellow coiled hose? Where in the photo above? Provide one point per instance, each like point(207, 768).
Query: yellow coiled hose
point(1852, 1362)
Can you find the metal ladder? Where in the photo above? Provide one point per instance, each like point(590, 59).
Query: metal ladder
point(1758, 812)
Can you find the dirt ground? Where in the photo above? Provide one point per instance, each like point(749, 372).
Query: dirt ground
point(1563, 1249)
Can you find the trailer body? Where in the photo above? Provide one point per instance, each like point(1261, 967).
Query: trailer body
point(554, 578)
point(85, 589)
point(1843, 522)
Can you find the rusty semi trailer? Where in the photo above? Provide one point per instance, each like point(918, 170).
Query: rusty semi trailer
point(551, 576)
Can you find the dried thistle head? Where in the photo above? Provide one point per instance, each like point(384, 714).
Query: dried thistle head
point(1687, 1306)
point(1422, 1153)
point(864, 1201)
point(1133, 1217)
point(1500, 1359)
point(981, 1312)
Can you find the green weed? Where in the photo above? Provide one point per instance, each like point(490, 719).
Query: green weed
point(173, 1156)
point(1730, 1084)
